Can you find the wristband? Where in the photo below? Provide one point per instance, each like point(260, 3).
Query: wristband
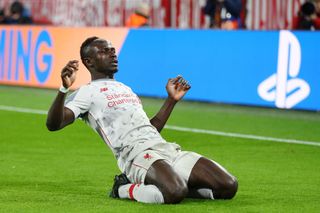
point(63, 89)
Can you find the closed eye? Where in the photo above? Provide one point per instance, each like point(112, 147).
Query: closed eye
point(110, 49)
point(102, 51)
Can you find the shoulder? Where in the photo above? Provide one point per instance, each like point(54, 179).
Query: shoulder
point(83, 92)
point(123, 85)
point(84, 89)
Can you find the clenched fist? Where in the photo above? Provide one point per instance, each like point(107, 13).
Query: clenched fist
point(177, 87)
point(68, 73)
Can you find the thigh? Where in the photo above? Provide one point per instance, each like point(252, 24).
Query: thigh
point(172, 186)
point(209, 174)
point(137, 169)
point(181, 161)
point(162, 171)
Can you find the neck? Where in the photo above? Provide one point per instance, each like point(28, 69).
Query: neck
point(96, 76)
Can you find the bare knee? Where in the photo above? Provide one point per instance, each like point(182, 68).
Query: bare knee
point(173, 188)
point(175, 193)
point(229, 188)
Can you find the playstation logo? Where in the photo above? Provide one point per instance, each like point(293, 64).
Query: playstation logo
point(284, 87)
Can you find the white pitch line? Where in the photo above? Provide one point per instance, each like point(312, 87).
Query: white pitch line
point(246, 136)
point(26, 110)
point(186, 129)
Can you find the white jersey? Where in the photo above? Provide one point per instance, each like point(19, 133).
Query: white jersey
point(117, 115)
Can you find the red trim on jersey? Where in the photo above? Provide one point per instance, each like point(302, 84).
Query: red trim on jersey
point(104, 136)
point(131, 191)
point(139, 166)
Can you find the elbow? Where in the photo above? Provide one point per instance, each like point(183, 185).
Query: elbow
point(156, 125)
point(158, 128)
point(51, 127)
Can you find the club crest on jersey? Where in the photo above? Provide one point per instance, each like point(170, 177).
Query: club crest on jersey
point(103, 89)
point(147, 156)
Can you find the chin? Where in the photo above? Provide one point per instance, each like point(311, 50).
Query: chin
point(114, 70)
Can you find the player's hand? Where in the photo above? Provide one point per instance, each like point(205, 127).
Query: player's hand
point(177, 88)
point(68, 73)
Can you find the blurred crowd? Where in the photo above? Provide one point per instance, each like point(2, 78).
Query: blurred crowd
point(228, 15)
point(222, 14)
point(308, 17)
point(15, 14)
point(140, 17)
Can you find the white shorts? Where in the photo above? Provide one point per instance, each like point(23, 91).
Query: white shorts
point(181, 161)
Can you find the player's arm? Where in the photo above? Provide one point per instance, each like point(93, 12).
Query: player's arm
point(176, 89)
point(59, 116)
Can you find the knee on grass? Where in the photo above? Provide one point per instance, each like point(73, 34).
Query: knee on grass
point(175, 193)
point(229, 188)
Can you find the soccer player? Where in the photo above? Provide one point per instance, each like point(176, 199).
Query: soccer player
point(153, 170)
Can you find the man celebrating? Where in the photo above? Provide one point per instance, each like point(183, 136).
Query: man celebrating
point(153, 170)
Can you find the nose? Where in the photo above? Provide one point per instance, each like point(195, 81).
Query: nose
point(113, 53)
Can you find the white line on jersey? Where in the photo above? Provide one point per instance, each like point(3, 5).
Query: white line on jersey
point(186, 129)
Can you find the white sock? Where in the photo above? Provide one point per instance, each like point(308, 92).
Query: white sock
point(141, 193)
point(206, 193)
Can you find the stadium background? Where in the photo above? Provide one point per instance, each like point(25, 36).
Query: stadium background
point(260, 14)
point(70, 170)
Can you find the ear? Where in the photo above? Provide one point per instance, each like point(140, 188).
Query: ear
point(87, 62)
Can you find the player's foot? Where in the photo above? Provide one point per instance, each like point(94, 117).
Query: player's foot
point(119, 180)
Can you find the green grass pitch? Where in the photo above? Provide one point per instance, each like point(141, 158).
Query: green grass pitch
point(72, 170)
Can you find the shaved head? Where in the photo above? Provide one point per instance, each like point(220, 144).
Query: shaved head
point(85, 46)
point(84, 49)
point(99, 57)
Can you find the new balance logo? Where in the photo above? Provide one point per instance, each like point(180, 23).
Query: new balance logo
point(284, 87)
point(103, 89)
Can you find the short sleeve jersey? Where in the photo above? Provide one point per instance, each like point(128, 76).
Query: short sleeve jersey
point(117, 115)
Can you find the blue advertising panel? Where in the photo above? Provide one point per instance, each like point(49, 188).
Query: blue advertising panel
point(265, 68)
